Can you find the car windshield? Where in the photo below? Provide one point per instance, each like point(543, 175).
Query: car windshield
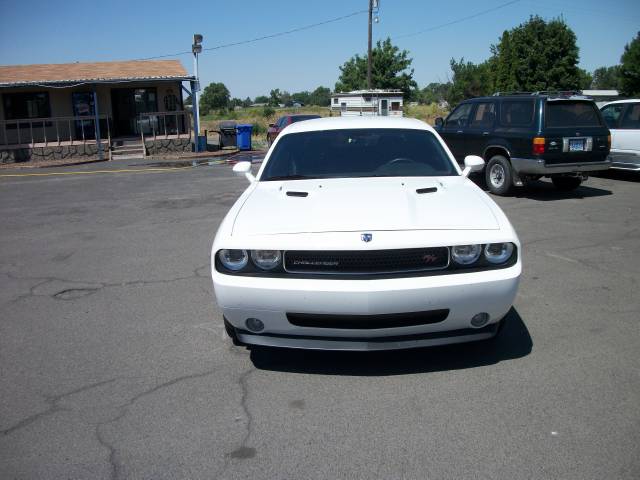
point(572, 114)
point(347, 153)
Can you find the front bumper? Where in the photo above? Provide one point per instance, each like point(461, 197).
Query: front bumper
point(270, 299)
point(537, 166)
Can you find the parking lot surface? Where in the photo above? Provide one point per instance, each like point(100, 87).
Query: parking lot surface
point(114, 363)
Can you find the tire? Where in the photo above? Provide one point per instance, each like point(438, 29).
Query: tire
point(269, 142)
point(566, 184)
point(231, 332)
point(498, 175)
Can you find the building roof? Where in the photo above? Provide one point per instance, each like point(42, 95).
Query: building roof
point(373, 92)
point(95, 72)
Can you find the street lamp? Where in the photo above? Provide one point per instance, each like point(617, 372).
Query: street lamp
point(196, 48)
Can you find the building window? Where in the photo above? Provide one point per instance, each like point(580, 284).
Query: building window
point(26, 105)
point(395, 106)
point(335, 101)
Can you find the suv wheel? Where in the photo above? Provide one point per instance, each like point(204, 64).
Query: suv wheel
point(566, 184)
point(498, 175)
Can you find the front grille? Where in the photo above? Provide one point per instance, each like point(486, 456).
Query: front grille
point(370, 262)
point(366, 322)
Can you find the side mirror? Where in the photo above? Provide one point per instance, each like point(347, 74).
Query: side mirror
point(244, 168)
point(271, 125)
point(472, 163)
point(439, 122)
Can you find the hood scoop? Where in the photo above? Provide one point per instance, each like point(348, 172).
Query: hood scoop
point(427, 190)
point(297, 194)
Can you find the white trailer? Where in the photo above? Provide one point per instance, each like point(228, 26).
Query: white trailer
point(368, 103)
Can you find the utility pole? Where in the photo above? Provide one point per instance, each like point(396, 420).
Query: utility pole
point(196, 48)
point(369, 47)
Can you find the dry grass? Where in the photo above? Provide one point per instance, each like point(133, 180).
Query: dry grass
point(256, 117)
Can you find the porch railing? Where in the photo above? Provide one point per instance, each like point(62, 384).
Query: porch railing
point(53, 130)
point(165, 124)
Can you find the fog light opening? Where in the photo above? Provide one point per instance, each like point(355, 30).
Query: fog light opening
point(480, 319)
point(254, 324)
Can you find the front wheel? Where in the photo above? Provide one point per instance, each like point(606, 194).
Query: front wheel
point(498, 175)
point(566, 184)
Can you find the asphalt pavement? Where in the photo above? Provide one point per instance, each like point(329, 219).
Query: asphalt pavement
point(114, 363)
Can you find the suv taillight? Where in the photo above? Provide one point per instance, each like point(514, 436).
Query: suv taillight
point(538, 145)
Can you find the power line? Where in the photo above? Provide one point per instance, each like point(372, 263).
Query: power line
point(469, 17)
point(264, 37)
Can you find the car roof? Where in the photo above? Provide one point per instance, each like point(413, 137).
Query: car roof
point(342, 123)
point(626, 100)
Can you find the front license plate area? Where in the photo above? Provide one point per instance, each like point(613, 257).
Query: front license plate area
point(576, 145)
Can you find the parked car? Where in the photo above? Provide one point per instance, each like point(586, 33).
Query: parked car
point(363, 234)
point(623, 119)
point(529, 136)
point(275, 128)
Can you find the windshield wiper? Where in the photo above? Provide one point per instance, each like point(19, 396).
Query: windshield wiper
point(288, 177)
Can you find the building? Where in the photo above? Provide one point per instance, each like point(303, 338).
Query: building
point(368, 102)
point(58, 110)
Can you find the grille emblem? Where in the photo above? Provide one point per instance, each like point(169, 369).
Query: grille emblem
point(366, 237)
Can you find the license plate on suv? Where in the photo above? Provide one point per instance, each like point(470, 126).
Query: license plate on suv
point(576, 145)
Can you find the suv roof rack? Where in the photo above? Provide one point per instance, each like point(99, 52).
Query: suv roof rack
point(550, 93)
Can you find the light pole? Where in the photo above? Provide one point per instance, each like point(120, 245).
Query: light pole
point(196, 48)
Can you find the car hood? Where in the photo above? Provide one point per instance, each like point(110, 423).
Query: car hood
point(364, 204)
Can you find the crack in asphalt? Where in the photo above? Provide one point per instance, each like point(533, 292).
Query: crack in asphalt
point(83, 289)
point(54, 407)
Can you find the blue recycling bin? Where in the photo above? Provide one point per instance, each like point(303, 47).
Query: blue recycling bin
point(243, 133)
point(202, 143)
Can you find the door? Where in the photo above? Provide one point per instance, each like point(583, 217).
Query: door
point(453, 130)
point(127, 104)
point(83, 107)
point(481, 125)
point(124, 112)
point(384, 107)
point(625, 139)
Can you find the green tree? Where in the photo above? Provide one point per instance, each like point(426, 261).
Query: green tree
point(606, 78)
point(215, 96)
point(537, 55)
point(247, 102)
point(630, 68)
point(301, 97)
point(390, 68)
point(261, 99)
point(434, 93)
point(321, 96)
point(274, 97)
point(469, 80)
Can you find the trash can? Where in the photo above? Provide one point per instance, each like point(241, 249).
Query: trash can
point(202, 143)
point(227, 134)
point(244, 136)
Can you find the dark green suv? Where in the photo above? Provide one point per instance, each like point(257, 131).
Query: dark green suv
point(528, 136)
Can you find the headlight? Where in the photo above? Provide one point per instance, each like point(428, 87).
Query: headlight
point(498, 252)
point(465, 254)
point(266, 259)
point(233, 259)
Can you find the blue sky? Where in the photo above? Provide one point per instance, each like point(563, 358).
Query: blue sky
point(68, 30)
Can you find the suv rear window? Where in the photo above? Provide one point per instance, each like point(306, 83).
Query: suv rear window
point(516, 113)
point(572, 114)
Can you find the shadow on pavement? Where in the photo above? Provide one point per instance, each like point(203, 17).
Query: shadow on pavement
point(513, 342)
point(545, 191)
point(622, 175)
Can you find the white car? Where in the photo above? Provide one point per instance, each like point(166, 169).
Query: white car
point(363, 234)
point(623, 119)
